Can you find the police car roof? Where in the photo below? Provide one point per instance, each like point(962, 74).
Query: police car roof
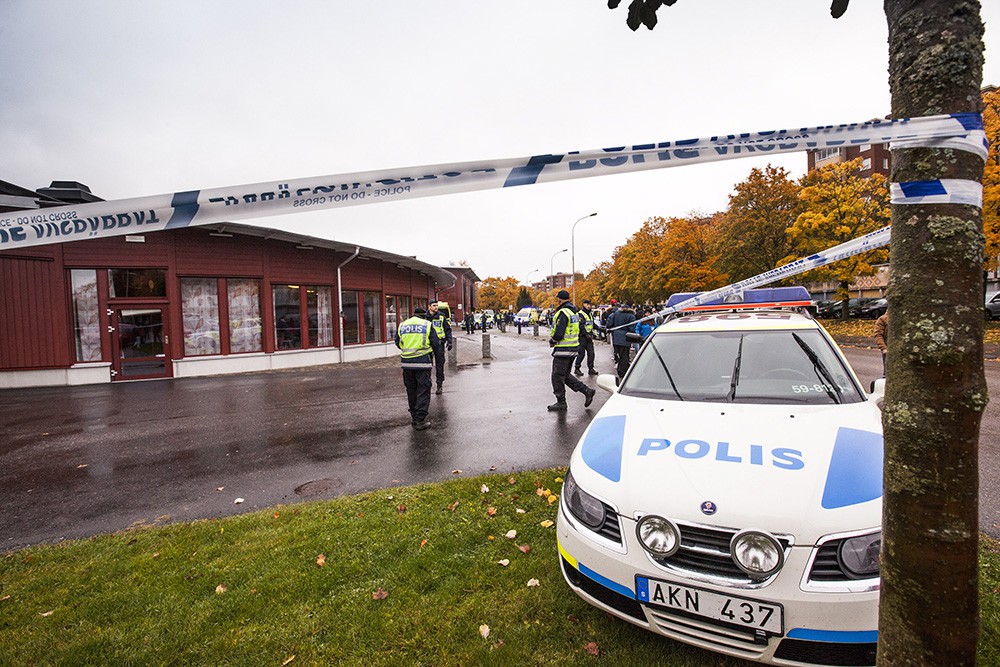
point(759, 298)
point(738, 320)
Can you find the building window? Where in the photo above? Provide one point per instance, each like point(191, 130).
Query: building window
point(866, 164)
point(826, 154)
point(865, 147)
point(86, 315)
point(200, 315)
point(373, 319)
point(419, 303)
point(349, 309)
point(397, 309)
point(287, 317)
point(885, 163)
point(319, 308)
point(244, 315)
point(137, 283)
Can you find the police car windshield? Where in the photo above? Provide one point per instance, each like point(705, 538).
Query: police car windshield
point(772, 368)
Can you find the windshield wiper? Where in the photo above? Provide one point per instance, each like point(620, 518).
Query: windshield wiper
point(821, 369)
point(666, 370)
point(736, 372)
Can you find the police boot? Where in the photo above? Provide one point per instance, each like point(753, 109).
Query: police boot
point(577, 371)
point(558, 406)
point(440, 390)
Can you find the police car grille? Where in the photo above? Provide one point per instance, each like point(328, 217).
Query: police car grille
point(611, 528)
point(705, 551)
point(826, 565)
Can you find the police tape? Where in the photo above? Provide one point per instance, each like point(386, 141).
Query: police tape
point(869, 241)
point(230, 204)
point(941, 191)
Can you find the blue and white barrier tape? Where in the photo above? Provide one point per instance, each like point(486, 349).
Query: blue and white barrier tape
point(230, 204)
point(942, 191)
point(869, 241)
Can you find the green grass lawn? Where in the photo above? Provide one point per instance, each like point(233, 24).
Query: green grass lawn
point(303, 584)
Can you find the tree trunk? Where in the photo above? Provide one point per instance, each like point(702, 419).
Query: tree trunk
point(936, 389)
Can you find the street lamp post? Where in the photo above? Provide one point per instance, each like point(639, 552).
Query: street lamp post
point(572, 244)
point(551, 264)
point(527, 280)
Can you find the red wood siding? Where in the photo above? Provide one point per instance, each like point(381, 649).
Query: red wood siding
point(32, 323)
point(199, 254)
point(117, 252)
point(362, 274)
point(289, 264)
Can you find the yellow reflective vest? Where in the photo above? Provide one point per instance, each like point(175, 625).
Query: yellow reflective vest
point(413, 341)
point(570, 341)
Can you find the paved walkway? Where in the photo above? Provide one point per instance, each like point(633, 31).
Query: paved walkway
point(77, 461)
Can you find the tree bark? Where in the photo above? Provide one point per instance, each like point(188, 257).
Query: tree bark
point(936, 387)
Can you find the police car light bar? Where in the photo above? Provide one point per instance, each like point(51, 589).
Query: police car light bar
point(771, 297)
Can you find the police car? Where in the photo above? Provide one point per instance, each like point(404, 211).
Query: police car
point(728, 494)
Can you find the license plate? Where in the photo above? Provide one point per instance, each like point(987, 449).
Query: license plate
point(744, 612)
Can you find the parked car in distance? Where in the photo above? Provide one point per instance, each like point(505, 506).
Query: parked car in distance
point(874, 310)
point(526, 316)
point(992, 309)
point(834, 309)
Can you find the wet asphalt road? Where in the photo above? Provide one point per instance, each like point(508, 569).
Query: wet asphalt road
point(77, 461)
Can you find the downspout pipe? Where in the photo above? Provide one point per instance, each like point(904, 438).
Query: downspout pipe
point(340, 299)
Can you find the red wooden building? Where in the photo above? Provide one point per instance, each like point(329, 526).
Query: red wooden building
point(205, 300)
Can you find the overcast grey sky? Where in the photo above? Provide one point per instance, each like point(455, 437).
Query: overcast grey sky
point(146, 98)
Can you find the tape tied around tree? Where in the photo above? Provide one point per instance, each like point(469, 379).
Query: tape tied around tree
point(941, 191)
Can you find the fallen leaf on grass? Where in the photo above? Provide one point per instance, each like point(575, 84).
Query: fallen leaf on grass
point(490, 538)
point(511, 534)
point(593, 649)
point(484, 489)
point(380, 594)
point(401, 508)
point(547, 524)
point(533, 582)
point(511, 480)
point(47, 613)
point(451, 507)
point(505, 562)
point(456, 471)
point(423, 543)
point(288, 660)
point(220, 589)
point(6, 597)
point(492, 468)
point(321, 560)
point(484, 631)
point(497, 645)
point(491, 511)
point(553, 498)
point(524, 548)
point(156, 555)
point(276, 515)
point(558, 480)
point(519, 510)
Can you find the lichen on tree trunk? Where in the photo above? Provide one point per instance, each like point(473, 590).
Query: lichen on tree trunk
point(936, 387)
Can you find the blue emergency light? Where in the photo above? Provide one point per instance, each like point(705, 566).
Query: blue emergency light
point(771, 296)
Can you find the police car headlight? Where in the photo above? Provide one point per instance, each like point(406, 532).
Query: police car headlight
point(757, 553)
point(859, 556)
point(658, 536)
point(585, 507)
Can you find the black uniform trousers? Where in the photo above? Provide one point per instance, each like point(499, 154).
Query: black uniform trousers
point(439, 364)
point(418, 391)
point(586, 348)
point(562, 378)
point(622, 353)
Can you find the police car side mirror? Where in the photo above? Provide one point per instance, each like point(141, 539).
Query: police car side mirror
point(877, 392)
point(633, 337)
point(608, 382)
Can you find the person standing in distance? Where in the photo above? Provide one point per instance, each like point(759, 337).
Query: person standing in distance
point(586, 339)
point(565, 344)
point(620, 324)
point(881, 334)
point(442, 330)
point(417, 343)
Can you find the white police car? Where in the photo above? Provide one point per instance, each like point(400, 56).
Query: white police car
point(728, 494)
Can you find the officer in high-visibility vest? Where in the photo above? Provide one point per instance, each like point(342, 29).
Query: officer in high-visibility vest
point(565, 344)
point(442, 329)
point(417, 343)
point(586, 339)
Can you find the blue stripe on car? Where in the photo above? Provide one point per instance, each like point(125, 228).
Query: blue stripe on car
point(607, 583)
point(602, 447)
point(855, 474)
point(835, 636)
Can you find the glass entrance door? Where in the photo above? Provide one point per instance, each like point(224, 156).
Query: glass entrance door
point(140, 343)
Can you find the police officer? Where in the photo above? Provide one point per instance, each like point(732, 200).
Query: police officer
point(442, 330)
point(565, 343)
point(417, 343)
point(586, 339)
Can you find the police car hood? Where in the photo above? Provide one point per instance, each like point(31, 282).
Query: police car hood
point(807, 471)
